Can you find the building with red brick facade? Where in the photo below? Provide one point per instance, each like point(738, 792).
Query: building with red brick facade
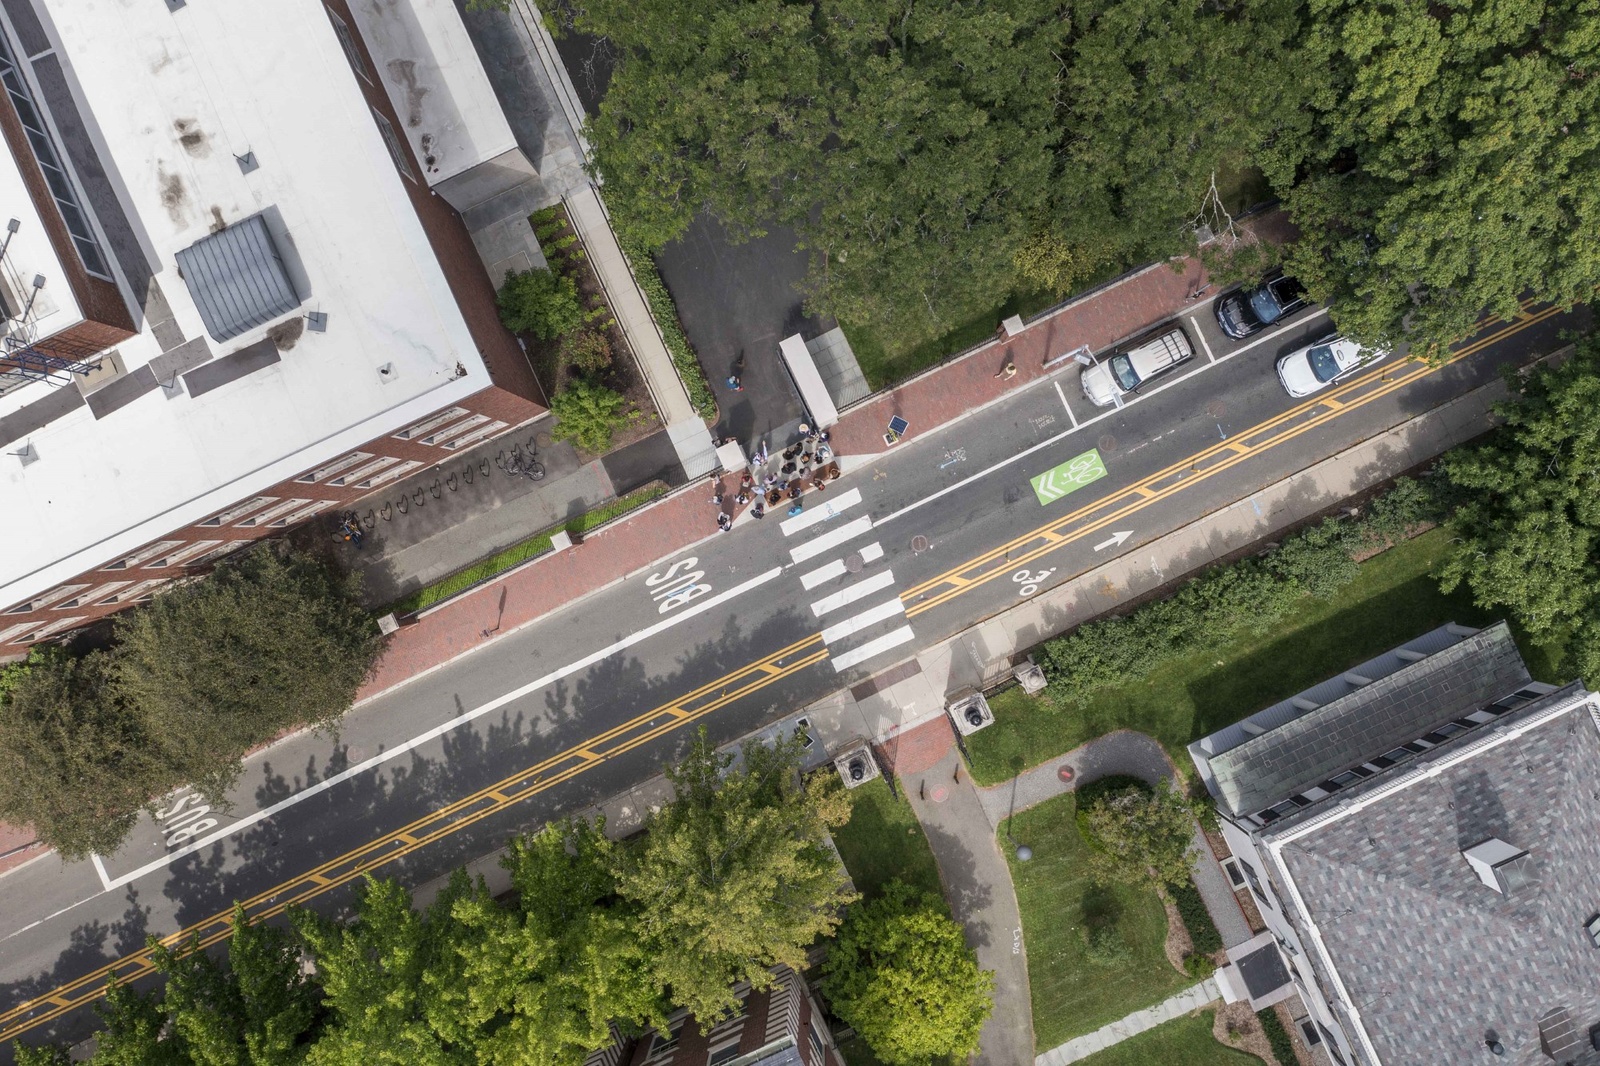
point(781, 1026)
point(237, 289)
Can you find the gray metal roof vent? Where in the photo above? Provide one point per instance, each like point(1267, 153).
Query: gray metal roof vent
point(237, 278)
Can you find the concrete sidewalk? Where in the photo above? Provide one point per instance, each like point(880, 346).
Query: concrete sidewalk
point(1190, 999)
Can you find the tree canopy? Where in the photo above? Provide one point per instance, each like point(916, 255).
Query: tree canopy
point(902, 976)
point(1526, 526)
point(735, 875)
point(1138, 835)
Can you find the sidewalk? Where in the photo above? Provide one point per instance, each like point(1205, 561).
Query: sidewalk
point(1190, 999)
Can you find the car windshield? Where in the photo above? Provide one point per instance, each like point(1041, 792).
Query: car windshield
point(1122, 370)
point(1323, 363)
point(1266, 306)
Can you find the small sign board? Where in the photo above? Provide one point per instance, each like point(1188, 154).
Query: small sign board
point(897, 429)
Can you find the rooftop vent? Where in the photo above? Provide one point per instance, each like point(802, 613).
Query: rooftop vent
point(1504, 867)
point(237, 278)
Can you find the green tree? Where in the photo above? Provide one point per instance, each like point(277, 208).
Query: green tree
point(901, 975)
point(1526, 527)
point(1139, 835)
point(269, 642)
point(134, 1031)
point(42, 1055)
point(589, 350)
point(256, 1011)
point(588, 414)
point(76, 761)
point(540, 302)
point(735, 875)
point(1450, 166)
point(382, 976)
point(540, 985)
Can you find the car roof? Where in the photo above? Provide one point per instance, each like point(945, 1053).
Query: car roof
point(1159, 351)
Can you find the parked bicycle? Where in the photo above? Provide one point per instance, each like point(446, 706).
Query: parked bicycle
point(524, 463)
point(350, 529)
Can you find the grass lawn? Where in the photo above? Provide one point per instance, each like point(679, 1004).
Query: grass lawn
point(1186, 1041)
point(1394, 599)
point(1073, 995)
point(885, 360)
point(522, 551)
point(883, 840)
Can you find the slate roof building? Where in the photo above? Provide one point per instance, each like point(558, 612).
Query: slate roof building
point(1422, 837)
point(236, 287)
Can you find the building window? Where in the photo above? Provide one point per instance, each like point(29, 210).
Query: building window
point(397, 151)
point(49, 160)
point(334, 467)
point(663, 1044)
point(726, 1053)
point(818, 1054)
point(1331, 1044)
point(233, 514)
point(1255, 883)
point(347, 41)
point(149, 552)
point(431, 422)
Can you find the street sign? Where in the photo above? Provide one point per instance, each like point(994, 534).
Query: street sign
point(1070, 476)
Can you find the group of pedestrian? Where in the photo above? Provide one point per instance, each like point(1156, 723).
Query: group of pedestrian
point(807, 462)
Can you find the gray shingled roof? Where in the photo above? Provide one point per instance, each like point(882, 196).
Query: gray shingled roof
point(1352, 729)
point(237, 278)
point(1431, 956)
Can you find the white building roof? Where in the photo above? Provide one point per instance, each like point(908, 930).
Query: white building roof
point(174, 96)
point(434, 78)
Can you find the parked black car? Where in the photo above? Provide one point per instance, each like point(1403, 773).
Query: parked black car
point(1241, 312)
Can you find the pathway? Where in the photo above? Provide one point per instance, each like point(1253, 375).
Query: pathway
point(1139, 1021)
point(977, 882)
point(1130, 754)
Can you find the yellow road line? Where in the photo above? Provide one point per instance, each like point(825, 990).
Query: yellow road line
point(642, 729)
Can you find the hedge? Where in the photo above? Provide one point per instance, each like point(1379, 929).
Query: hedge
point(521, 552)
point(1196, 919)
point(666, 314)
point(1250, 595)
point(1278, 1037)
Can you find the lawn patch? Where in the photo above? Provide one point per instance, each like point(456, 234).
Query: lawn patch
point(1185, 1040)
point(883, 840)
point(1393, 599)
point(1094, 955)
point(885, 361)
point(521, 552)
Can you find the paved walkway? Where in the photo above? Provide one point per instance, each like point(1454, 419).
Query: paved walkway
point(1190, 999)
point(1123, 753)
point(977, 882)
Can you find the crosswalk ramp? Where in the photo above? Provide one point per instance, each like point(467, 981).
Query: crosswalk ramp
point(861, 604)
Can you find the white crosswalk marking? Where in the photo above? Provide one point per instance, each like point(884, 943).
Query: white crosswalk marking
point(820, 511)
point(859, 591)
point(856, 623)
point(870, 553)
point(830, 540)
point(903, 635)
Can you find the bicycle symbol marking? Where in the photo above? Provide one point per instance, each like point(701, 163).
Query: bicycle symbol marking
point(1030, 580)
point(1084, 469)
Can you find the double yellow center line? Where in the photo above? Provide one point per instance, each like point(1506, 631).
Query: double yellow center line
point(745, 681)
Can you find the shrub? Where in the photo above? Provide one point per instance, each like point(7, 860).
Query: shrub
point(588, 349)
point(587, 413)
point(1409, 503)
point(1104, 945)
point(1277, 1036)
point(539, 302)
point(1196, 919)
point(1198, 966)
point(1140, 836)
point(666, 316)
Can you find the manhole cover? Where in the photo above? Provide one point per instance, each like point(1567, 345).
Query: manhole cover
point(1108, 443)
point(1217, 408)
point(1065, 773)
point(919, 543)
point(853, 563)
point(544, 439)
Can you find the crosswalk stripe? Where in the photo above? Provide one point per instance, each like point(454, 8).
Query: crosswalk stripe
point(820, 512)
point(856, 623)
point(830, 540)
point(869, 553)
point(860, 590)
point(903, 635)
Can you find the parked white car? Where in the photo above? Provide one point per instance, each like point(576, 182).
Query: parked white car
point(1316, 366)
point(1130, 370)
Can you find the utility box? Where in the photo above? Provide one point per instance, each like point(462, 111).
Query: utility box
point(856, 766)
point(1029, 676)
point(970, 713)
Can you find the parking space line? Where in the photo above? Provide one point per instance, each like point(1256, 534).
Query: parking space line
point(1198, 332)
point(1070, 416)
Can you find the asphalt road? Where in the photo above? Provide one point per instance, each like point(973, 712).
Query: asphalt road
point(941, 532)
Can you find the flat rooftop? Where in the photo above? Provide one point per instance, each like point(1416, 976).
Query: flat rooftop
point(174, 97)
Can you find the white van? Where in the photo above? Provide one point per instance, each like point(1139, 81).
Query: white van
point(1130, 370)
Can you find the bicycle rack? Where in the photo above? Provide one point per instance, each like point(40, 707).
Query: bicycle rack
point(370, 520)
point(483, 465)
point(405, 505)
point(387, 513)
point(451, 481)
point(416, 498)
point(434, 488)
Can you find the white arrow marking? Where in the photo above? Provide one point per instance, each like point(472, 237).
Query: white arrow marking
point(1115, 541)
